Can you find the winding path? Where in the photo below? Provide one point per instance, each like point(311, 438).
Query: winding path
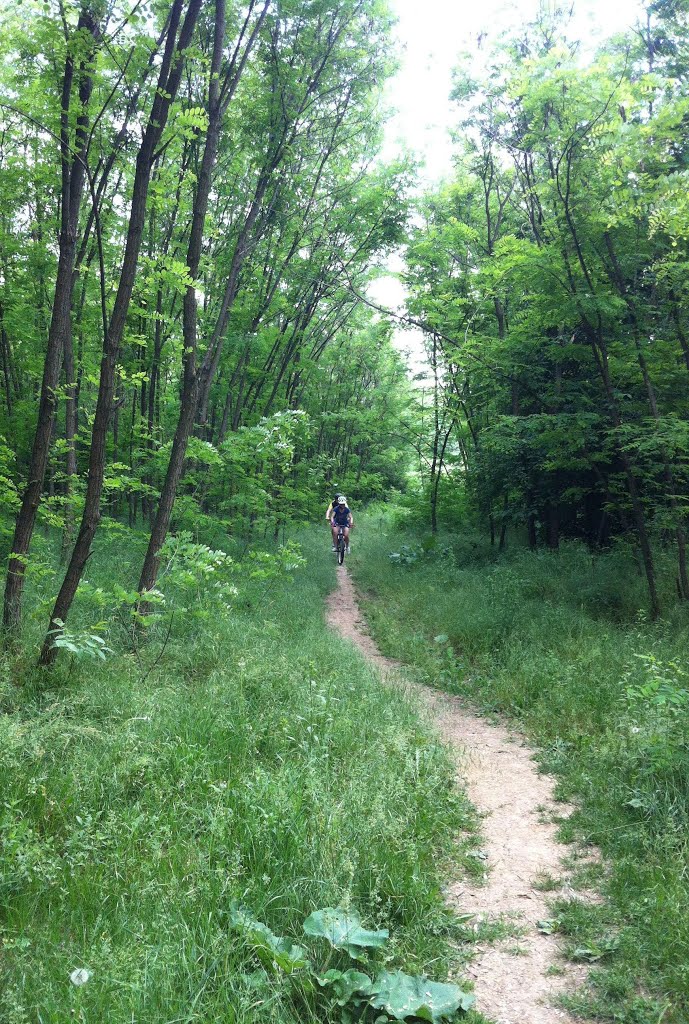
point(516, 979)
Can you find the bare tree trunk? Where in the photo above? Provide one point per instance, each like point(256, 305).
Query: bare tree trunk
point(73, 173)
point(190, 385)
point(435, 469)
point(435, 486)
point(71, 454)
point(168, 83)
point(196, 381)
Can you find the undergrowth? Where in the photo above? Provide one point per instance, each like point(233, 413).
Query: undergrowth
point(236, 753)
point(560, 643)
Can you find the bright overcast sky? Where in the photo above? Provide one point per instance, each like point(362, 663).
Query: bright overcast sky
point(432, 35)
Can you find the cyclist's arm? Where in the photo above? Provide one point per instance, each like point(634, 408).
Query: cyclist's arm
point(329, 513)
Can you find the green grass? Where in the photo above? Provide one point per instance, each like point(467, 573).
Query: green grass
point(560, 643)
point(251, 759)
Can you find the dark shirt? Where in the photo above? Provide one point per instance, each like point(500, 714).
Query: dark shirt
point(341, 515)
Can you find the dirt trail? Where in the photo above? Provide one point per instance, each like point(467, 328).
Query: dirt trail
point(516, 979)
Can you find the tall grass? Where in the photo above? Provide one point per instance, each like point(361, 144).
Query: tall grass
point(251, 759)
point(560, 643)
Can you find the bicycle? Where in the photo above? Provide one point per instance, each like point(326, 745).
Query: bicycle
point(341, 546)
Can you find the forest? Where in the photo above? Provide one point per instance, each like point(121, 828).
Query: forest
point(194, 210)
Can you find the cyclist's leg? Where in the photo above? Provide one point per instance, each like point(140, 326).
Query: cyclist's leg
point(346, 536)
point(333, 530)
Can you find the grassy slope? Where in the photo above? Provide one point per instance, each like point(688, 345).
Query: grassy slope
point(260, 762)
point(554, 641)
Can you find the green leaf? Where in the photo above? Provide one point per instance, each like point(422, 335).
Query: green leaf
point(343, 930)
point(272, 950)
point(403, 996)
point(596, 951)
point(346, 983)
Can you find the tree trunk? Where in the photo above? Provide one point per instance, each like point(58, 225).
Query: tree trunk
point(638, 517)
point(668, 480)
point(599, 349)
point(168, 83)
point(70, 441)
point(73, 173)
point(681, 336)
point(553, 526)
point(503, 525)
point(668, 476)
point(190, 386)
point(196, 382)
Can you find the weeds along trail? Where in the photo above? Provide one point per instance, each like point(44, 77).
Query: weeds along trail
point(518, 977)
point(255, 768)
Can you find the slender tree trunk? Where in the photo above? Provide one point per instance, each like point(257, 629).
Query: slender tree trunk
point(435, 487)
point(503, 525)
point(161, 524)
point(681, 336)
point(668, 476)
point(225, 419)
point(73, 173)
point(6, 360)
point(166, 91)
point(599, 350)
point(553, 526)
point(638, 517)
point(196, 381)
point(668, 480)
point(230, 293)
point(190, 385)
point(70, 442)
point(435, 469)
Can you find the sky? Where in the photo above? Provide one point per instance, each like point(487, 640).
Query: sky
point(432, 35)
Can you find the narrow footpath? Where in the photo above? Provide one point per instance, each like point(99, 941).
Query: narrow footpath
point(516, 979)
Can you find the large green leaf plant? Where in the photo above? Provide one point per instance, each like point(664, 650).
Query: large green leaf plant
point(358, 995)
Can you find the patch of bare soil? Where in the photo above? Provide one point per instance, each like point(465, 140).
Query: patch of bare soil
point(516, 979)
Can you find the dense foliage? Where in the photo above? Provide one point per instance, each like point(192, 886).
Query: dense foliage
point(189, 195)
point(192, 204)
point(551, 276)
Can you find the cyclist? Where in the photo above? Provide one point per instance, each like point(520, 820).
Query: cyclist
point(340, 515)
point(333, 503)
